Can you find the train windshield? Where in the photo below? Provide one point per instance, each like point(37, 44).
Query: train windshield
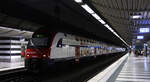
point(39, 41)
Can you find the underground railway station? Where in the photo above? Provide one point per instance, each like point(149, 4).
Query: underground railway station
point(75, 41)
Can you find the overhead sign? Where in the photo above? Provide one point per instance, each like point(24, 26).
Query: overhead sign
point(140, 37)
point(144, 30)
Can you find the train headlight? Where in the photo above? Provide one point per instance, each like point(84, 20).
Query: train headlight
point(44, 55)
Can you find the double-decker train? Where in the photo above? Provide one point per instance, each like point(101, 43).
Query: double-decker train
point(47, 47)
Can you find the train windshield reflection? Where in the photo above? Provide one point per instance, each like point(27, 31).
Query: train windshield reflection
point(38, 42)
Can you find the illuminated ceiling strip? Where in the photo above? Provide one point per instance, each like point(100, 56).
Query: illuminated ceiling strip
point(87, 8)
point(96, 16)
point(136, 16)
point(102, 21)
point(108, 27)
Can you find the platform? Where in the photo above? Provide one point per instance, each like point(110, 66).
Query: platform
point(110, 73)
point(129, 68)
point(6, 66)
point(136, 69)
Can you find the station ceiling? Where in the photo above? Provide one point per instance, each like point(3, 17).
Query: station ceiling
point(31, 15)
point(119, 13)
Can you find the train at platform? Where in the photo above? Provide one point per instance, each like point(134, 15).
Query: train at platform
point(46, 48)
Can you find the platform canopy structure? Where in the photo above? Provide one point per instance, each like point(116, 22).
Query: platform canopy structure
point(16, 27)
point(10, 32)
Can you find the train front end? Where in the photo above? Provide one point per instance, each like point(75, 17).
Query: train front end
point(37, 55)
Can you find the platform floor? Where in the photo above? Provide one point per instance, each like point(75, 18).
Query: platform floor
point(136, 69)
point(5, 66)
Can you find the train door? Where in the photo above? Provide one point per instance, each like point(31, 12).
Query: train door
point(71, 48)
point(77, 53)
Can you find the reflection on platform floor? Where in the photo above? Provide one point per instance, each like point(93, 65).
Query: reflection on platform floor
point(4, 66)
point(136, 69)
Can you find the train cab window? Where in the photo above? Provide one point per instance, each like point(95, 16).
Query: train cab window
point(59, 43)
point(38, 42)
point(40, 39)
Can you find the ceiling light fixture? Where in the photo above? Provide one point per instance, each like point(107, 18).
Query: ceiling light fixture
point(87, 8)
point(78, 1)
point(108, 27)
point(102, 21)
point(96, 16)
point(136, 16)
point(144, 30)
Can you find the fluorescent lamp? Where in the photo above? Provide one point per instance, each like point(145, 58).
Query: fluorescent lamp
point(144, 30)
point(136, 16)
point(87, 8)
point(103, 22)
point(96, 16)
point(78, 1)
point(117, 35)
point(108, 27)
point(140, 37)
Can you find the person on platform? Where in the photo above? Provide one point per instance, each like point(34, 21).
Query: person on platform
point(130, 52)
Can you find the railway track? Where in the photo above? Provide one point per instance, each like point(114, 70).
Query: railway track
point(15, 75)
point(63, 73)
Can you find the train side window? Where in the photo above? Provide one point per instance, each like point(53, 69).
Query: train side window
point(59, 43)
